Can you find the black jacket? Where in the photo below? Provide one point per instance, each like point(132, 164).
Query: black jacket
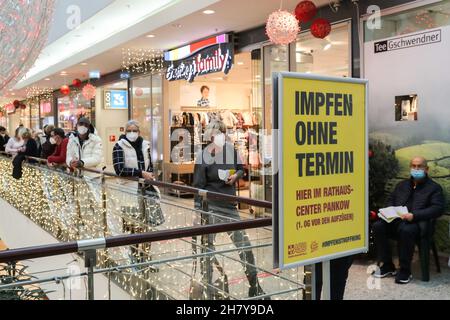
point(426, 202)
point(47, 149)
point(31, 150)
point(3, 142)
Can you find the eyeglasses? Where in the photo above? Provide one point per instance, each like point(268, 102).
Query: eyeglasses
point(130, 131)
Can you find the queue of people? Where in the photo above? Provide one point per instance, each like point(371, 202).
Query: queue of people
point(132, 158)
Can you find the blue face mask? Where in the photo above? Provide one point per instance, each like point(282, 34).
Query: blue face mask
point(418, 174)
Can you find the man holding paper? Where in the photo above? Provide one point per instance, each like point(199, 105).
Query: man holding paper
point(414, 200)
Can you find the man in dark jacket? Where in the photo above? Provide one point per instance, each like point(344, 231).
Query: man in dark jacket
point(4, 138)
point(425, 202)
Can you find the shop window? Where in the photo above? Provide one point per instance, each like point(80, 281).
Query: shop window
point(276, 59)
point(418, 19)
point(34, 115)
point(406, 108)
point(71, 108)
point(46, 113)
point(329, 56)
point(148, 110)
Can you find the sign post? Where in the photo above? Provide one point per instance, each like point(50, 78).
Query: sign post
point(320, 170)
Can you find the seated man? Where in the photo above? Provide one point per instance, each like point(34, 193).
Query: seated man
point(425, 201)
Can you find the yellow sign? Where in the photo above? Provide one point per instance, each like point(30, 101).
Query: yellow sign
point(320, 189)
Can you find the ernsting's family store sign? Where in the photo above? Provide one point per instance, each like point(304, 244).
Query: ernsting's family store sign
point(208, 56)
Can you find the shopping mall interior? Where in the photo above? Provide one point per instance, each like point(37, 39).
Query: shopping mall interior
point(178, 69)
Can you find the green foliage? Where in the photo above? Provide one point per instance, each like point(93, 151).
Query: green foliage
point(383, 166)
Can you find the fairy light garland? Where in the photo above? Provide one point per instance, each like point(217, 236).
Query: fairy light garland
point(47, 197)
point(142, 60)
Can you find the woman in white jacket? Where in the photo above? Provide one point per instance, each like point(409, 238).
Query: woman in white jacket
point(15, 144)
point(84, 149)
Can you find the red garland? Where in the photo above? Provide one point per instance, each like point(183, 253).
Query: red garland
point(320, 28)
point(305, 11)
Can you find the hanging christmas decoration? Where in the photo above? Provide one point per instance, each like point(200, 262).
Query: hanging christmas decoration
point(320, 28)
point(23, 106)
point(139, 92)
point(89, 91)
point(16, 104)
point(77, 83)
point(142, 60)
point(282, 27)
point(305, 11)
point(36, 93)
point(24, 27)
point(65, 90)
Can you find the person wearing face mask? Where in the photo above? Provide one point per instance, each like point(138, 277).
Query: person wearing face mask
point(47, 149)
point(15, 144)
point(59, 140)
point(4, 138)
point(84, 149)
point(425, 201)
point(29, 149)
point(217, 169)
point(132, 158)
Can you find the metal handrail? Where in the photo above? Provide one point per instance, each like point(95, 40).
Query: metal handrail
point(125, 240)
point(206, 194)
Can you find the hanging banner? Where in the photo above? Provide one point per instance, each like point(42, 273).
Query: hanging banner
point(321, 157)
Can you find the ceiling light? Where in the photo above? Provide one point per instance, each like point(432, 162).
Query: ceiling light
point(176, 25)
point(84, 64)
point(240, 63)
point(150, 36)
point(209, 12)
point(47, 79)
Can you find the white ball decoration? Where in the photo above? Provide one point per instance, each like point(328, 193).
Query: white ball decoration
point(282, 27)
point(24, 26)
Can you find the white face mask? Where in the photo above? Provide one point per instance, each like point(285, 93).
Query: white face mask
point(132, 136)
point(219, 140)
point(82, 130)
point(52, 140)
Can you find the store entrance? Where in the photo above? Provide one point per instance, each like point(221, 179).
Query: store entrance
point(192, 106)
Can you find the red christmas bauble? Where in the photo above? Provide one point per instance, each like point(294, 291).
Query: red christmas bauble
point(139, 92)
point(305, 11)
point(23, 107)
point(77, 83)
point(320, 28)
point(371, 154)
point(16, 103)
point(65, 90)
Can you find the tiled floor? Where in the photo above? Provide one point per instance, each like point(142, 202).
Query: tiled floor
point(361, 286)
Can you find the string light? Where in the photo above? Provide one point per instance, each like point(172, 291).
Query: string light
point(142, 60)
point(36, 93)
point(73, 208)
